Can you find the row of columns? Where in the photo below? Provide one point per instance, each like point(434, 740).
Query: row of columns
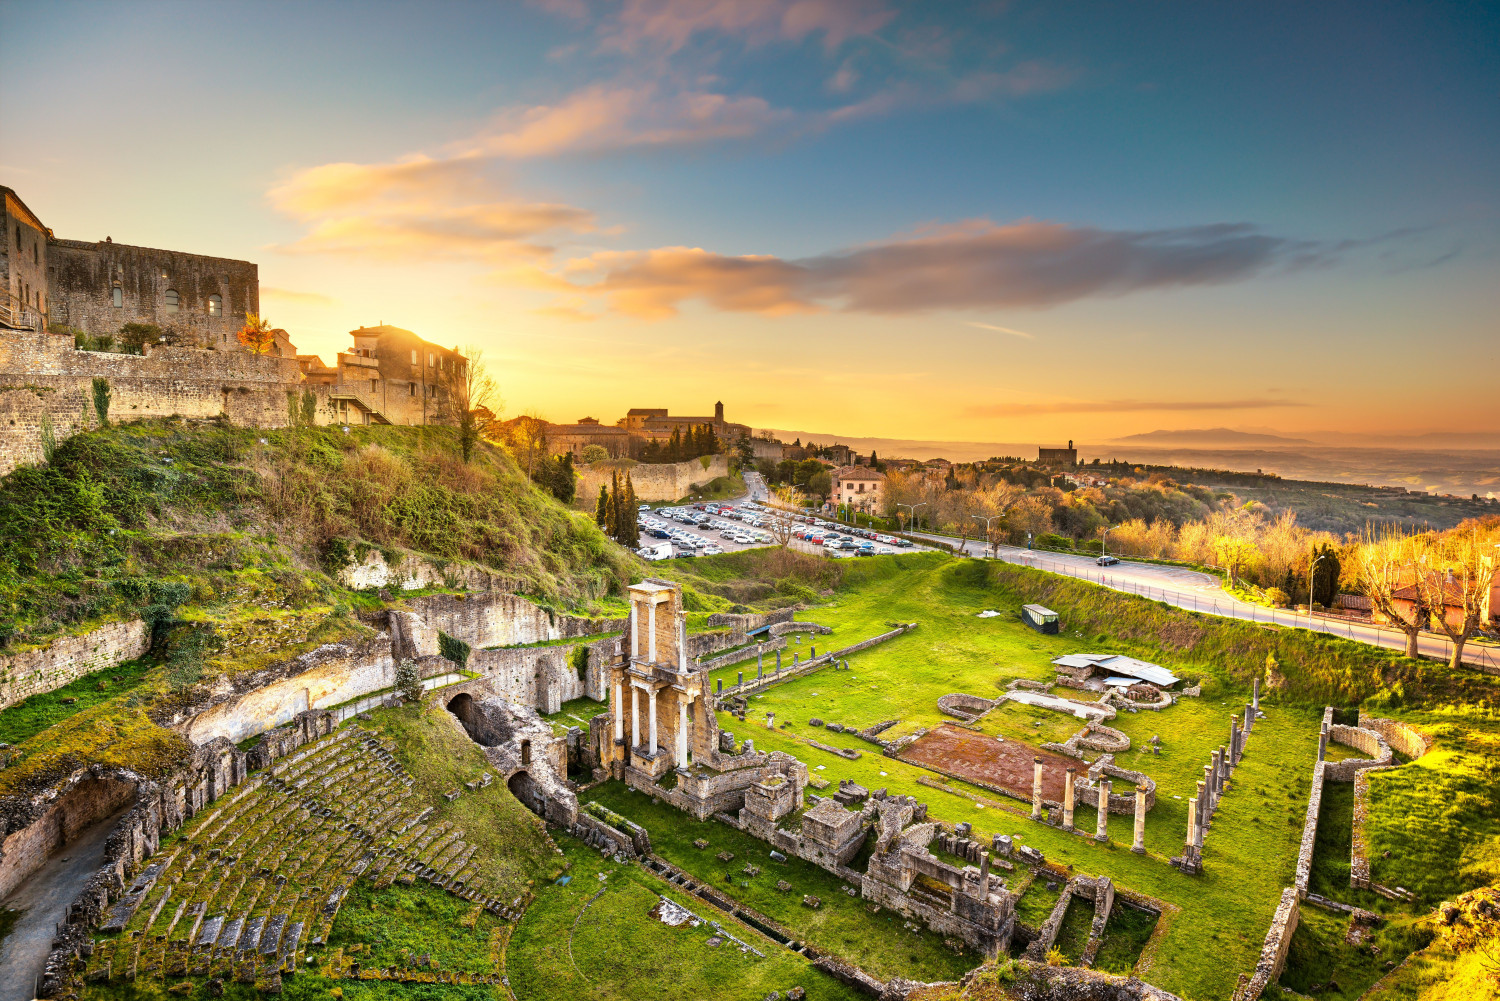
point(1101, 823)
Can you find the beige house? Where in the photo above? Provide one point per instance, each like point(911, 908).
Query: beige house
point(859, 486)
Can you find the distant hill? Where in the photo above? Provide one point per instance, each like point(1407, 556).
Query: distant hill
point(1209, 437)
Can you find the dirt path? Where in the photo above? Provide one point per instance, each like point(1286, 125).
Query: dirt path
point(43, 901)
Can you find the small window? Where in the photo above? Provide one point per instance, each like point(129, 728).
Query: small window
point(215, 305)
point(414, 356)
point(431, 360)
point(18, 236)
point(374, 385)
point(172, 300)
point(117, 297)
point(413, 389)
point(34, 258)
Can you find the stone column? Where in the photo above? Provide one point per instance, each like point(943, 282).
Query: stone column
point(1323, 745)
point(1036, 789)
point(1202, 822)
point(1139, 847)
point(619, 712)
point(1249, 717)
point(682, 735)
point(760, 659)
point(635, 631)
point(1234, 739)
point(741, 682)
point(1206, 790)
point(1101, 830)
point(719, 687)
point(1255, 695)
point(984, 875)
point(651, 710)
point(778, 660)
point(1192, 829)
point(651, 637)
point(635, 716)
point(1223, 767)
point(1068, 799)
point(682, 660)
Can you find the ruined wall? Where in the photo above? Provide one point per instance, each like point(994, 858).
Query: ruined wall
point(1406, 739)
point(1361, 739)
point(373, 570)
point(498, 620)
point(657, 481)
point(1273, 952)
point(83, 278)
point(546, 677)
point(84, 800)
point(325, 677)
point(41, 373)
point(67, 657)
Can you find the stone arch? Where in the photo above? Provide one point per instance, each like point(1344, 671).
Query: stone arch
point(462, 706)
point(524, 788)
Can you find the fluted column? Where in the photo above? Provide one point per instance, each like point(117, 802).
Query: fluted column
point(682, 732)
point(635, 716)
point(1101, 829)
point(651, 635)
point(1068, 799)
point(651, 712)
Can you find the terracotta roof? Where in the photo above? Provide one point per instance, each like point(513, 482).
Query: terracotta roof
point(858, 473)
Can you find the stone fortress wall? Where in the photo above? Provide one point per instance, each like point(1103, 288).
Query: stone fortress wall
point(654, 481)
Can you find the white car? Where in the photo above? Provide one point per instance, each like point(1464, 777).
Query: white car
point(712, 550)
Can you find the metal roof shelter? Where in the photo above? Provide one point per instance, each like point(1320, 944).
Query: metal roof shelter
point(1120, 665)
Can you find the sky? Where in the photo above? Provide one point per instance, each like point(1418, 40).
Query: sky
point(970, 221)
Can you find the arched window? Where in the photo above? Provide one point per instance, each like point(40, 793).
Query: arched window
point(172, 300)
point(215, 305)
point(117, 297)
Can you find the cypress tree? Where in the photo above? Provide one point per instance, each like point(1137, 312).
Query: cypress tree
point(630, 527)
point(564, 486)
point(601, 509)
point(612, 517)
point(674, 446)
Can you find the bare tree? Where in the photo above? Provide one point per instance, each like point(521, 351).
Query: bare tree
point(783, 528)
point(526, 437)
point(470, 399)
point(1454, 582)
point(1388, 564)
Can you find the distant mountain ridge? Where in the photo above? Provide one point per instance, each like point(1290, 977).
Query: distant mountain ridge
point(1208, 436)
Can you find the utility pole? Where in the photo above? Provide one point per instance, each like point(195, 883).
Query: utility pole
point(1104, 540)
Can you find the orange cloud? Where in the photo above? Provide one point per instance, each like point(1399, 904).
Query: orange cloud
point(971, 265)
point(604, 116)
point(291, 296)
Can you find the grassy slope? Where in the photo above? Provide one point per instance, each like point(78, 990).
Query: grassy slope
point(594, 939)
point(222, 534)
point(432, 745)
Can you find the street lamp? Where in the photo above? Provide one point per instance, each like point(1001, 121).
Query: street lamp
point(913, 508)
point(1104, 539)
point(987, 518)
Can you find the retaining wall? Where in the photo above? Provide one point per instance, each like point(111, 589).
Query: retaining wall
point(43, 669)
point(654, 481)
point(1273, 952)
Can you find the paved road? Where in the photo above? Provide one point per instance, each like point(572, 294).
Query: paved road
point(43, 900)
point(1201, 592)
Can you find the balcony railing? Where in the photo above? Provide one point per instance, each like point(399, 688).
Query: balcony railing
point(15, 313)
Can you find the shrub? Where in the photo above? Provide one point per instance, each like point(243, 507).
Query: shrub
point(454, 649)
point(1277, 597)
point(409, 681)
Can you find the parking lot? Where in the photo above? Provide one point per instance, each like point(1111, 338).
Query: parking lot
point(681, 532)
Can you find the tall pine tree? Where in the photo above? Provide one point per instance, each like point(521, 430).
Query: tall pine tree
point(601, 509)
point(612, 511)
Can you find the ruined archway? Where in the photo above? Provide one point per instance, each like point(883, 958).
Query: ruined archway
point(525, 789)
point(462, 706)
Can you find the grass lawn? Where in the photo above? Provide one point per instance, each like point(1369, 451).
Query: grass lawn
point(1124, 937)
point(1073, 934)
point(394, 926)
point(595, 938)
point(842, 925)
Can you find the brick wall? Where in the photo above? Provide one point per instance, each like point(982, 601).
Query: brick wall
point(45, 668)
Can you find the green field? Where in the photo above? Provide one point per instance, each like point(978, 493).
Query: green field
point(843, 925)
point(595, 938)
point(1250, 853)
